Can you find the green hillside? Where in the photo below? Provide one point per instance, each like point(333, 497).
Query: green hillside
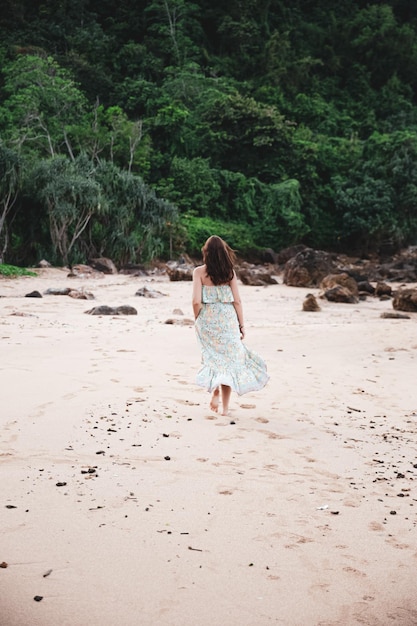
point(136, 129)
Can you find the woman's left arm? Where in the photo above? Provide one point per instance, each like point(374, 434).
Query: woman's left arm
point(237, 303)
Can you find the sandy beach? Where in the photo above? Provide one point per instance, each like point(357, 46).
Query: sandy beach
point(127, 502)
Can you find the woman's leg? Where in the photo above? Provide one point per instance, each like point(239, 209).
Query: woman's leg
point(226, 393)
point(214, 402)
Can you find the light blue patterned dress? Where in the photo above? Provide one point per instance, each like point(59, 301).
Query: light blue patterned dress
point(225, 358)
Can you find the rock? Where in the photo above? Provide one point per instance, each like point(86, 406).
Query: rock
point(179, 322)
point(84, 271)
point(108, 310)
point(269, 256)
point(125, 309)
point(134, 270)
point(149, 293)
point(103, 309)
point(405, 300)
point(343, 279)
point(308, 268)
point(179, 271)
point(256, 275)
point(4, 565)
point(340, 294)
point(394, 316)
point(288, 253)
point(365, 287)
point(57, 291)
point(103, 265)
point(33, 294)
point(382, 289)
point(310, 303)
point(43, 264)
point(78, 294)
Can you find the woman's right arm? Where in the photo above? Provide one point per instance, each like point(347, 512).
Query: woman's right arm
point(197, 305)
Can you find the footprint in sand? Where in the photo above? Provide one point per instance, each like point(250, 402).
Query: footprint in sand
point(261, 420)
point(247, 406)
point(356, 572)
point(375, 526)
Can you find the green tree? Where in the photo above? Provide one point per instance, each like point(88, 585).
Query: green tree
point(71, 197)
point(135, 225)
point(10, 173)
point(42, 104)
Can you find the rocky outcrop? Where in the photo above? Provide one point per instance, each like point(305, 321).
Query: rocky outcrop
point(286, 254)
point(179, 271)
point(308, 268)
point(256, 275)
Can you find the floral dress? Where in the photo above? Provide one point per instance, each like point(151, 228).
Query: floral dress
point(225, 358)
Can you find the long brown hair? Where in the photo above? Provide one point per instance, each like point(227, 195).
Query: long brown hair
point(219, 259)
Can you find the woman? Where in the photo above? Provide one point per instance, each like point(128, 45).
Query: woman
point(227, 364)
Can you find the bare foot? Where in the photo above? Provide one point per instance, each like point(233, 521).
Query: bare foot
point(214, 402)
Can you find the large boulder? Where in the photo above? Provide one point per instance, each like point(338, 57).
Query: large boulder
point(308, 268)
point(342, 279)
point(104, 265)
point(286, 254)
point(405, 300)
point(340, 294)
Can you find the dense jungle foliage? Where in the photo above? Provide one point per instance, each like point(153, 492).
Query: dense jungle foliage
point(134, 129)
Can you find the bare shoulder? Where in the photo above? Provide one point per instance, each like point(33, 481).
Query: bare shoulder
point(199, 271)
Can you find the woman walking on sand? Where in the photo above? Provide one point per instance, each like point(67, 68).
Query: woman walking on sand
point(227, 364)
